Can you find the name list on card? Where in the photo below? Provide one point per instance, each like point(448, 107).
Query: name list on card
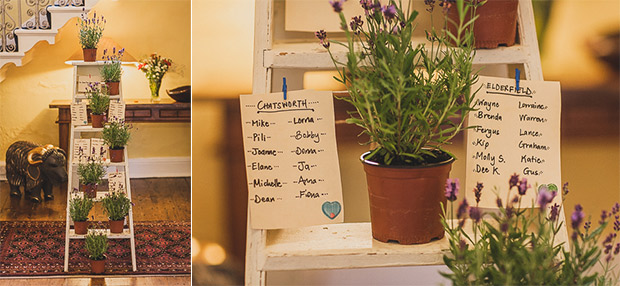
point(291, 159)
point(516, 131)
point(116, 111)
point(78, 114)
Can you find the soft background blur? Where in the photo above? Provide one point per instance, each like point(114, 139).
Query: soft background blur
point(141, 27)
point(572, 37)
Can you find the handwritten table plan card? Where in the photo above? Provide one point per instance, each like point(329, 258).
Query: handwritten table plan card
point(517, 131)
point(78, 114)
point(291, 159)
point(116, 111)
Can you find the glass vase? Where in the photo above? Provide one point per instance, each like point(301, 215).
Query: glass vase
point(155, 85)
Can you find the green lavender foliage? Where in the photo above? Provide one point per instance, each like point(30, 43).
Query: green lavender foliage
point(116, 205)
point(96, 244)
point(520, 247)
point(98, 98)
point(111, 70)
point(80, 207)
point(406, 110)
point(116, 134)
point(91, 172)
point(91, 30)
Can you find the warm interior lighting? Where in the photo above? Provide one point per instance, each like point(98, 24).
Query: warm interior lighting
point(213, 254)
point(104, 43)
point(195, 247)
point(322, 80)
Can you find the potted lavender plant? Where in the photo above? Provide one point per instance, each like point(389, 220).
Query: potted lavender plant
point(111, 70)
point(116, 205)
point(91, 175)
point(96, 244)
point(517, 246)
point(116, 134)
point(79, 208)
point(409, 113)
point(98, 103)
point(91, 30)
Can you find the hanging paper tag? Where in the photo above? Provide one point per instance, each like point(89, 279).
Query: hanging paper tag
point(517, 132)
point(291, 159)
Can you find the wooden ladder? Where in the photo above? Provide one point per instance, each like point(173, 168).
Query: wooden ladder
point(348, 245)
point(80, 70)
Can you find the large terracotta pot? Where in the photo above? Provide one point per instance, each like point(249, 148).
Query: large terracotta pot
point(97, 266)
point(81, 227)
point(90, 190)
point(113, 87)
point(405, 201)
point(116, 226)
point(117, 155)
point(496, 24)
point(97, 120)
point(90, 55)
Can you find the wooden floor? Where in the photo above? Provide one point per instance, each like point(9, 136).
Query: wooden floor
point(154, 199)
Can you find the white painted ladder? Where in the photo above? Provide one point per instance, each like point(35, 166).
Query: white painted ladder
point(348, 245)
point(84, 69)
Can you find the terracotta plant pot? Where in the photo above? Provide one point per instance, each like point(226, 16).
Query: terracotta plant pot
point(90, 190)
point(496, 24)
point(405, 201)
point(97, 266)
point(90, 55)
point(113, 87)
point(116, 226)
point(81, 227)
point(117, 155)
point(97, 120)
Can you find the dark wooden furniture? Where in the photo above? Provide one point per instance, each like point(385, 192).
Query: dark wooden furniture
point(136, 110)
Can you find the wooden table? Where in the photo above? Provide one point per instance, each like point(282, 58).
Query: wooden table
point(136, 110)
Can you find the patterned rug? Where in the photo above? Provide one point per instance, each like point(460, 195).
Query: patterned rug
point(38, 247)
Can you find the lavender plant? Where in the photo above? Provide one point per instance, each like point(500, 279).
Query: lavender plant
point(517, 246)
point(406, 110)
point(111, 70)
point(116, 205)
point(80, 207)
point(96, 244)
point(98, 98)
point(91, 172)
point(116, 134)
point(91, 30)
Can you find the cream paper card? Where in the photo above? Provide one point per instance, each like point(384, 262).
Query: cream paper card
point(291, 159)
point(116, 111)
point(81, 150)
point(518, 131)
point(116, 182)
point(78, 114)
point(98, 150)
point(84, 80)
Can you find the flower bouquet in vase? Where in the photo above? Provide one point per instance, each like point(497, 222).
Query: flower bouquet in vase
point(155, 66)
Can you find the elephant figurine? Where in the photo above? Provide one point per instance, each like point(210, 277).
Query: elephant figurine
point(35, 168)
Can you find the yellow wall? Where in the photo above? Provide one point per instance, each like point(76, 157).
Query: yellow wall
point(141, 27)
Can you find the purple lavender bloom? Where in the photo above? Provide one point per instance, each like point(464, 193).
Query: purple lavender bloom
point(514, 181)
point(565, 189)
point(503, 227)
point(617, 249)
point(367, 5)
point(608, 248)
point(337, 5)
point(555, 211)
point(475, 214)
point(604, 216)
point(509, 211)
point(615, 208)
point(515, 199)
point(478, 191)
point(452, 189)
point(430, 4)
point(498, 202)
point(544, 196)
point(577, 217)
point(587, 225)
point(523, 186)
point(616, 225)
point(322, 36)
point(389, 12)
point(356, 24)
point(462, 210)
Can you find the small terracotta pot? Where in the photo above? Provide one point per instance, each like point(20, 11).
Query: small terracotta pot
point(90, 190)
point(81, 227)
point(90, 55)
point(116, 226)
point(405, 201)
point(116, 155)
point(113, 87)
point(97, 266)
point(97, 120)
point(496, 24)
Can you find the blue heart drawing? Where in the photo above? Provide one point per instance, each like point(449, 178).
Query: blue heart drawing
point(331, 209)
